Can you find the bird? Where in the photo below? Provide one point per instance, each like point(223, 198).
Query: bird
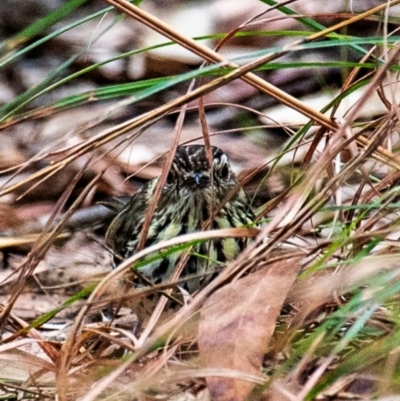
point(191, 195)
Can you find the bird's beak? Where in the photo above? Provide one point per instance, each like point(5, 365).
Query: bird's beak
point(197, 178)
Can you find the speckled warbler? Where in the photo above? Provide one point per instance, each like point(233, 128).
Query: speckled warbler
point(192, 193)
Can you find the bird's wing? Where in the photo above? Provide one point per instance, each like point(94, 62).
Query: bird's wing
point(116, 204)
point(124, 230)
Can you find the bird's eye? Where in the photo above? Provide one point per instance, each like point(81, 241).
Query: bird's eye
point(224, 172)
point(170, 178)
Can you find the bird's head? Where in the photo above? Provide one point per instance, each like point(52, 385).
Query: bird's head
point(191, 173)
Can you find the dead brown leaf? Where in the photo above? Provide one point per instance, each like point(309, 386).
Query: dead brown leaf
point(237, 323)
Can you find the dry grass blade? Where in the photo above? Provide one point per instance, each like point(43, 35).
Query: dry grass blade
point(149, 215)
point(23, 240)
point(163, 177)
point(48, 348)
